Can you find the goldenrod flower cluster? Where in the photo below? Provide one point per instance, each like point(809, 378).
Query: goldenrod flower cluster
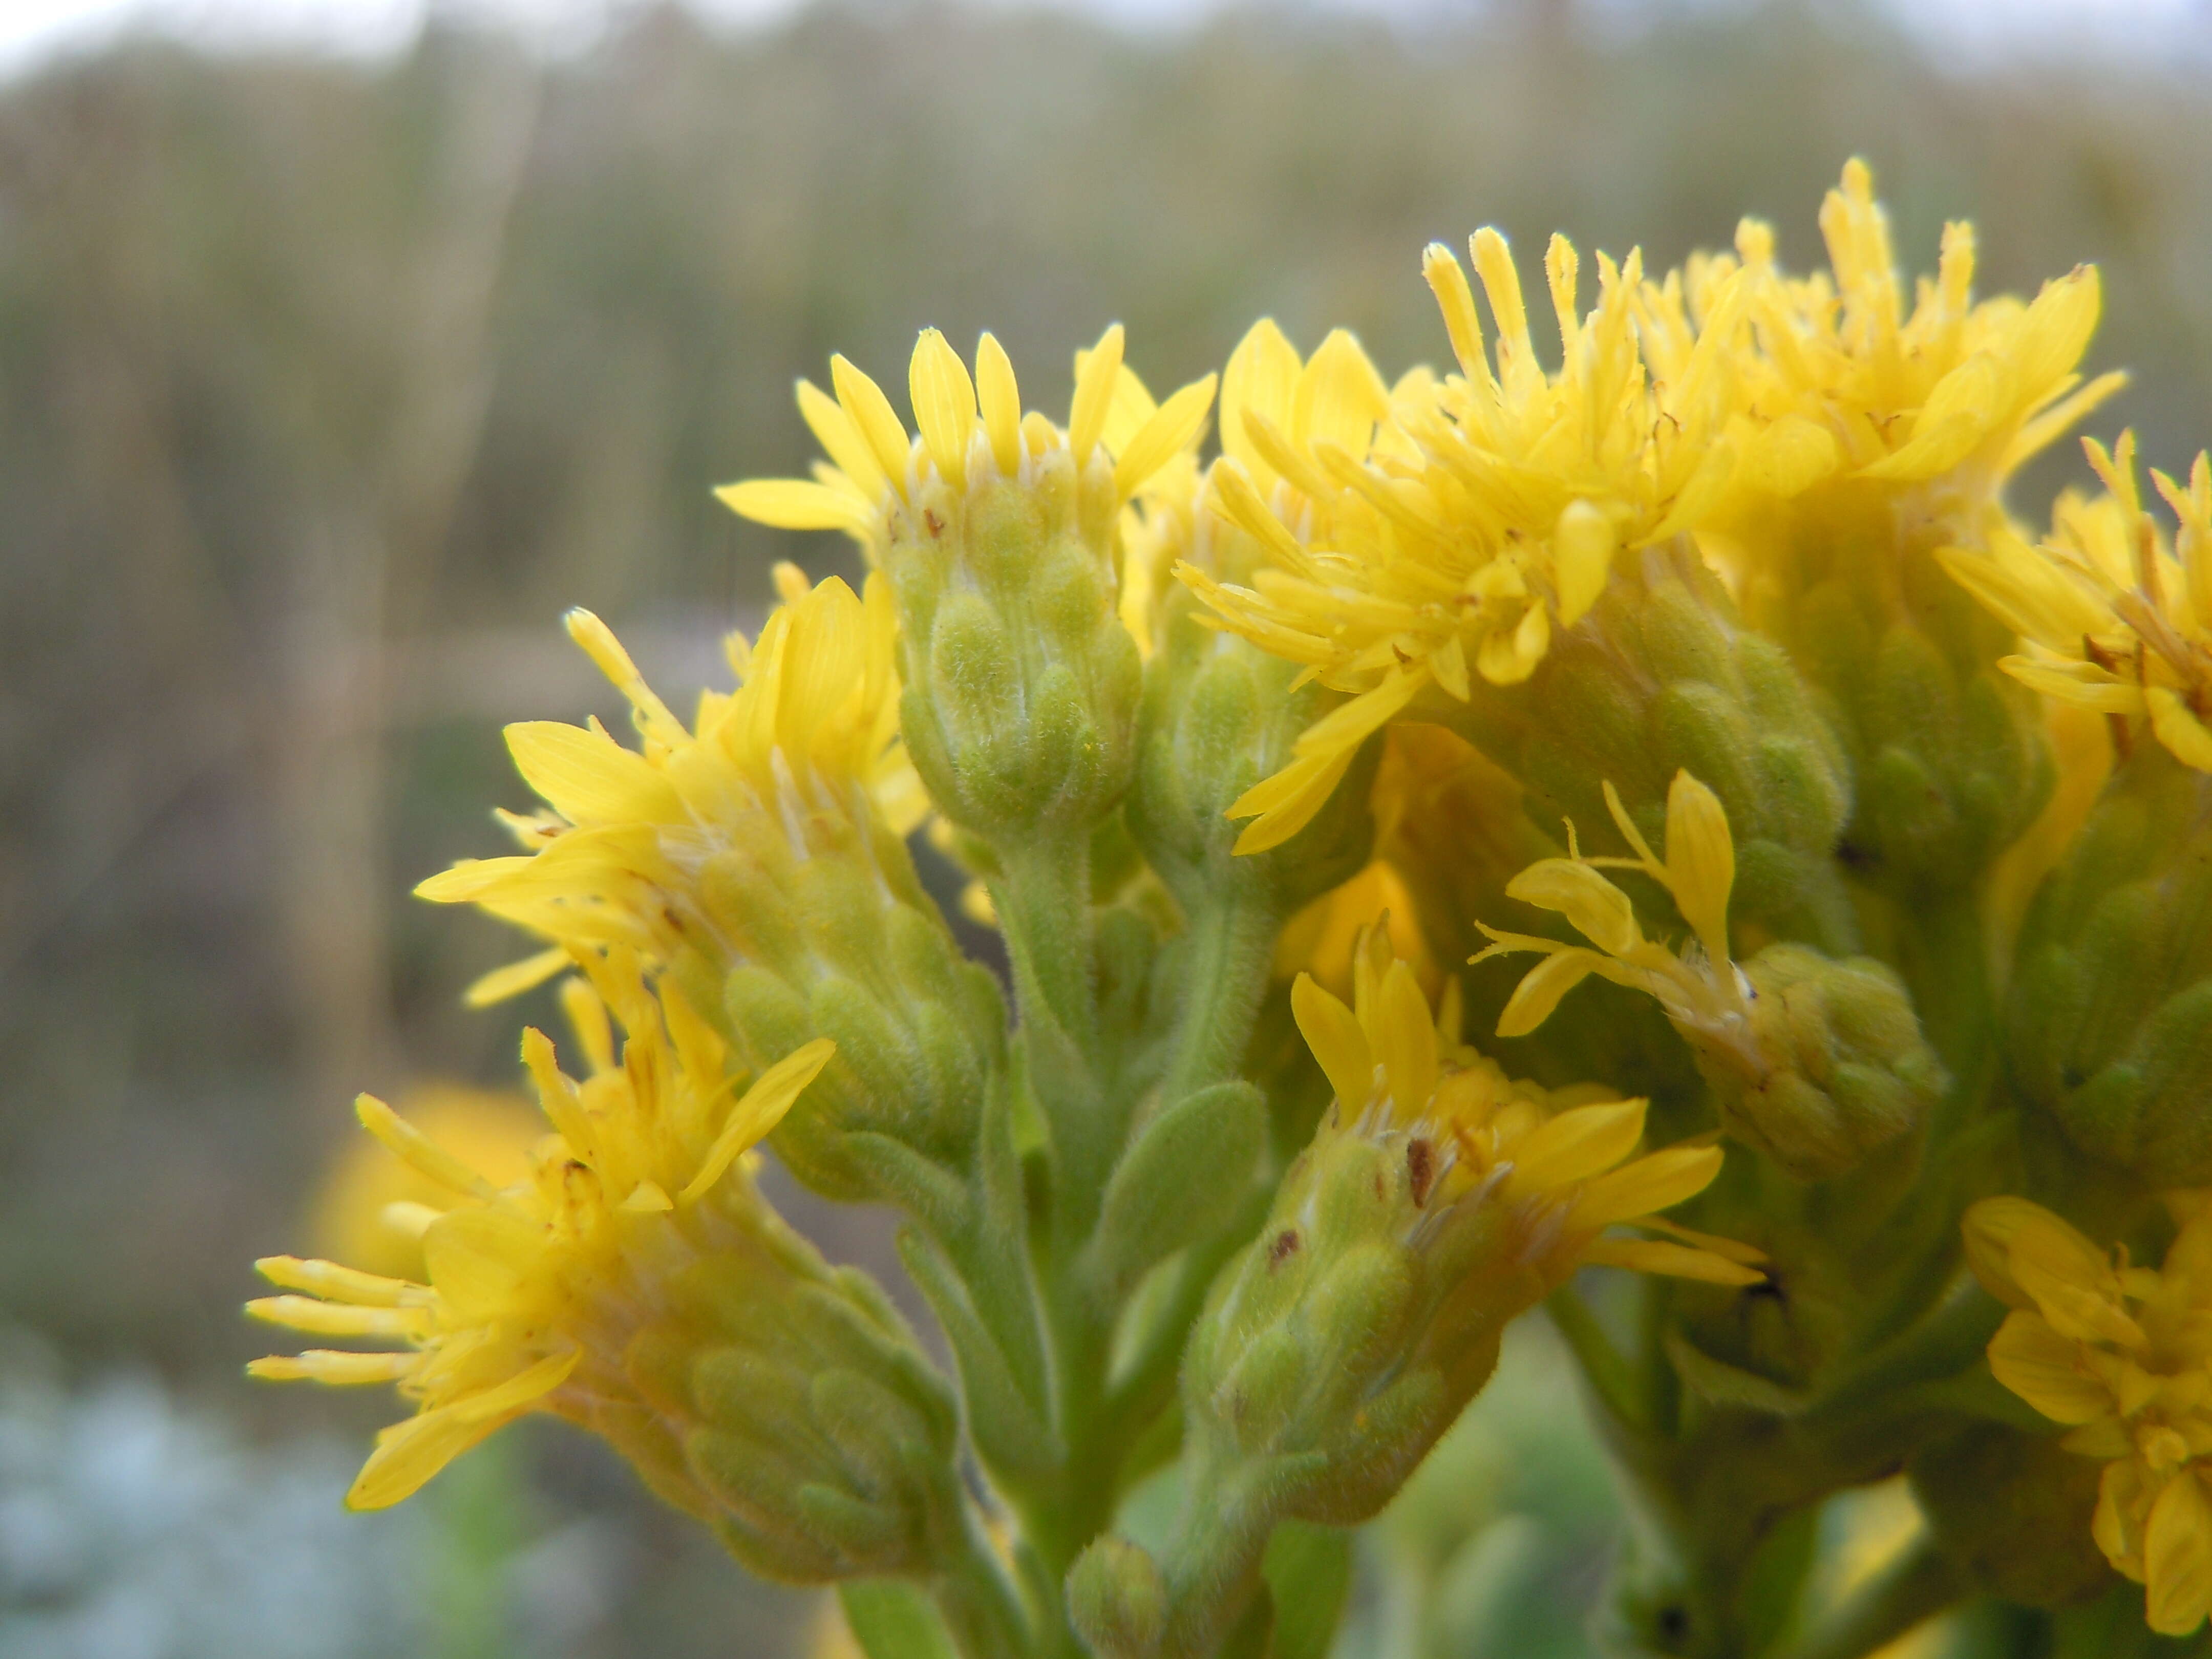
point(1860, 836)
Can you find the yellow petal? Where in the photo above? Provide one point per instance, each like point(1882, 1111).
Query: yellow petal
point(1988, 1229)
point(1582, 545)
point(1001, 399)
point(1094, 391)
point(479, 1260)
point(2046, 1370)
point(2177, 1556)
point(796, 504)
point(863, 401)
point(1447, 280)
point(841, 440)
point(2180, 730)
point(1598, 910)
point(1540, 988)
point(1174, 427)
point(760, 1110)
point(328, 1278)
point(1334, 1034)
point(1261, 375)
point(1656, 1182)
point(515, 978)
point(416, 1149)
point(1790, 457)
point(334, 1367)
point(943, 404)
point(1700, 861)
point(1651, 1256)
point(1577, 1144)
point(305, 1313)
point(408, 1454)
point(1404, 1034)
point(589, 778)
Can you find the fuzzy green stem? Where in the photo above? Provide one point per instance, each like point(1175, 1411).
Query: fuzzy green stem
point(1228, 957)
point(981, 1608)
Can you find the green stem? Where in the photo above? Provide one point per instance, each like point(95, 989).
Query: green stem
point(1910, 1591)
point(1042, 896)
point(1602, 1365)
point(1212, 1562)
point(1228, 957)
point(980, 1606)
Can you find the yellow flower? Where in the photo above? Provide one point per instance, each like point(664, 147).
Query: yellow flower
point(877, 477)
point(1953, 393)
point(535, 1290)
point(1283, 510)
point(1701, 989)
point(367, 1208)
point(1561, 1162)
point(802, 759)
point(2117, 616)
point(1448, 544)
point(2122, 1356)
point(1815, 1063)
point(1443, 533)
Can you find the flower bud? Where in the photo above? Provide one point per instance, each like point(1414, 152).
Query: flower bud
point(1663, 676)
point(793, 1404)
point(1438, 1200)
point(1949, 752)
point(1117, 1600)
point(1836, 1067)
point(758, 860)
point(1219, 714)
point(1000, 534)
point(2109, 1015)
point(1021, 683)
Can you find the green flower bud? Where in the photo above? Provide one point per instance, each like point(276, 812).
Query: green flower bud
point(1322, 1355)
point(1661, 677)
point(1835, 1066)
point(2013, 1511)
point(788, 1404)
point(1950, 753)
point(1117, 1600)
point(1021, 684)
point(2109, 1015)
point(1218, 715)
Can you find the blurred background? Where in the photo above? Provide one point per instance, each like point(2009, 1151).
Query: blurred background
point(342, 346)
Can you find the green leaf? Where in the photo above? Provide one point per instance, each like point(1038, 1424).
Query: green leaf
point(1179, 1180)
point(892, 1620)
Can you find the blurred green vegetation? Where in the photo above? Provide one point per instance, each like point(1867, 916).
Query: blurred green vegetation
point(325, 386)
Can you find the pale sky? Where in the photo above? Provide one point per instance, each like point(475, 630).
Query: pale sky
point(34, 31)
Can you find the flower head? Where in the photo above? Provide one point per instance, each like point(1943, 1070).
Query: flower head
point(2117, 616)
point(1952, 393)
point(1815, 1062)
point(1561, 1162)
point(1701, 988)
point(801, 760)
point(2122, 1356)
point(1437, 536)
point(970, 429)
point(535, 1290)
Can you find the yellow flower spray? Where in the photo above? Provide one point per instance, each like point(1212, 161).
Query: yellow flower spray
point(1857, 834)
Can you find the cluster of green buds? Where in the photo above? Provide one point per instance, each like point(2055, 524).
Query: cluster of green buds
point(1818, 858)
